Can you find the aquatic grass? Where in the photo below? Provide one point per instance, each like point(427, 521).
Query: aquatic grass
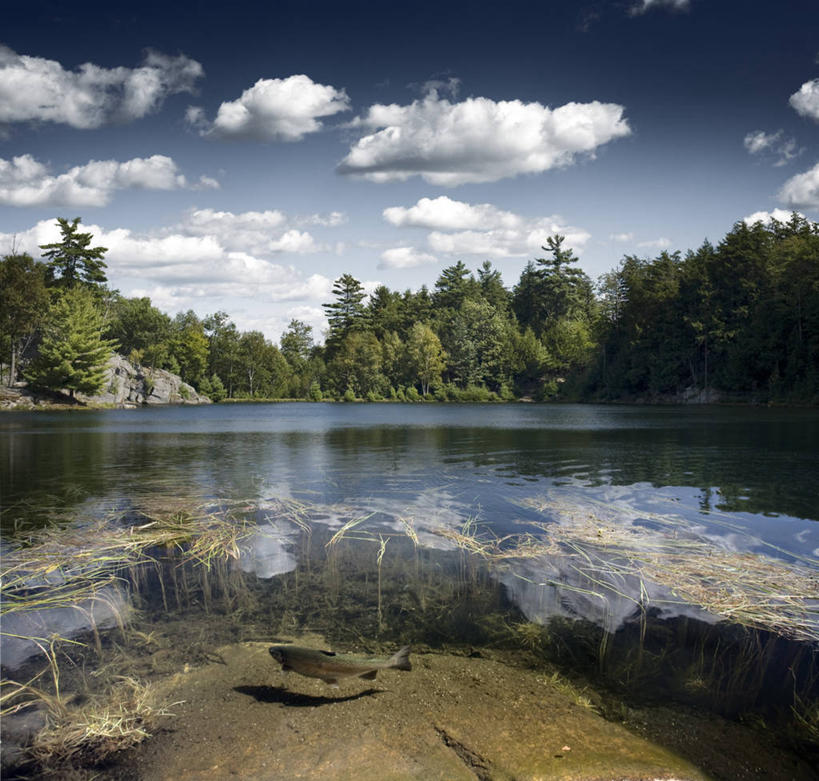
point(578, 695)
point(379, 559)
point(347, 528)
point(88, 735)
point(747, 588)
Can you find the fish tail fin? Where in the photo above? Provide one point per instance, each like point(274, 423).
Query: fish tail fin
point(400, 660)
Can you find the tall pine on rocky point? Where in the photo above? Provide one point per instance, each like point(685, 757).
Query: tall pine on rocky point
point(73, 352)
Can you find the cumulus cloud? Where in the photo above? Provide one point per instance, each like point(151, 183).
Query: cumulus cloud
point(765, 217)
point(647, 5)
point(478, 139)
point(759, 142)
point(806, 100)
point(259, 232)
point(37, 89)
point(621, 236)
point(186, 267)
point(25, 181)
point(444, 213)
point(405, 257)
point(802, 191)
point(462, 228)
point(273, 110)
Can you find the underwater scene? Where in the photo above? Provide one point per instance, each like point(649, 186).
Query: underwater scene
point(510, 591)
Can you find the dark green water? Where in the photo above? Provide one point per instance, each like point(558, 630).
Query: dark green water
point(443, 463)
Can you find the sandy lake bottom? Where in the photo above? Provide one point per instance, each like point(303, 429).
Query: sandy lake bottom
point(451, 717)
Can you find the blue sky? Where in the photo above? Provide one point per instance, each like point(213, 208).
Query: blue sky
point(241, 158)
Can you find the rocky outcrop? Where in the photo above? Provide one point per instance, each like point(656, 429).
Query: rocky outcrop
point(126, 385)
point(132, 386)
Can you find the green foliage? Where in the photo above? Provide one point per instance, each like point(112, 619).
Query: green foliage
point(425, 357)
point(73, 261)
point(223, 350)
point(296, 343)
point(23, 304)
point(347, 313)
point(190, 347)
point(741, 318)
point(141, 329)
point(314, 393)
point(263, 371)
point(357, 364)
point(217, 389)
point(73, 352)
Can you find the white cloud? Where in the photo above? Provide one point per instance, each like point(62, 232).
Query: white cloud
point(646, 5)
point(781, 215)
point(504, 243)
point(482, 229)
point(185, 267)
point(24, 181)
point(621, 236)
point(443, 213)
point(405, 257)
point(806, 100)
point(802, 190)
point(661, 243)
point(259, 233)
point(759, 142)
point(37, 89)
point(273, 110)
point(478, 139)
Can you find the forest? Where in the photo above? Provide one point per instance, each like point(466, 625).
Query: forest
point(737, 321)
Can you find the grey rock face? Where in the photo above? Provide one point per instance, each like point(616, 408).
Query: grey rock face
point(130, 385)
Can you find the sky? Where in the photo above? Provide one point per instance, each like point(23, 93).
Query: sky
point(241, 157)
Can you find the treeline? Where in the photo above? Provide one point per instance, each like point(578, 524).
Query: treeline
point(740, 318)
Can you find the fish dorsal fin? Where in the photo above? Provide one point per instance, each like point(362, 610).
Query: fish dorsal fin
point(329, 653)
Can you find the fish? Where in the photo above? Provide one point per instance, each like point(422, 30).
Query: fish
point(331, 667)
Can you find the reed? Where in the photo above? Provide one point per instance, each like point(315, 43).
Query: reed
point(87, 735)
point(751, 589)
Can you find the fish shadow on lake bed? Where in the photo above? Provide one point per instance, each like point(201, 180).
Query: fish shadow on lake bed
point(285, 697)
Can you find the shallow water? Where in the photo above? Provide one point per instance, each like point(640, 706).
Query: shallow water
point(464, 526)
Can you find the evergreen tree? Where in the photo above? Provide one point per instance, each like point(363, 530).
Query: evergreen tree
point(453, 286)
point(73, 260)
point(564, 290)
point(347, 313)
point(492, 288)
point(73, 353)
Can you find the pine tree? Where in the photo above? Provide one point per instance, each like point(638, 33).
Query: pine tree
point(347, 313)
point(73, 261)
point(73, 352)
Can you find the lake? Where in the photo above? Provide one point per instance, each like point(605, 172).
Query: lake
point(577, 532)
